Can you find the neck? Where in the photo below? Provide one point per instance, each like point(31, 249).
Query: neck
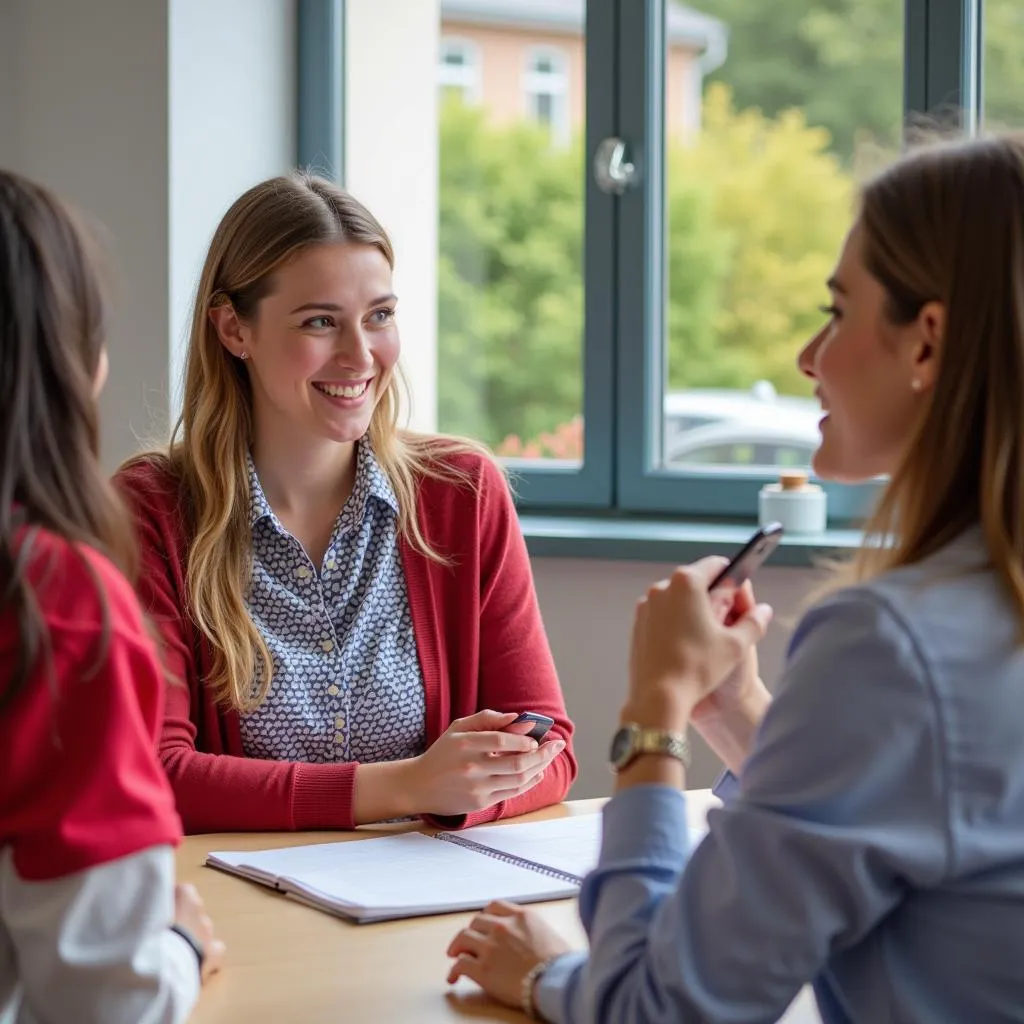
point(301, 478)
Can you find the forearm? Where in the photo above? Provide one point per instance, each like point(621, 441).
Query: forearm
point(730, 732)
point(383, 791)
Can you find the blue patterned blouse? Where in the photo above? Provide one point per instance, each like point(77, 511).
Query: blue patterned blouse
point(347, 684)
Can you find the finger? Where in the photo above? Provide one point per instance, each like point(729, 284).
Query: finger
point(751, 628)
point(467, 941)
point(466, 966)
point(213, 960)
point(704, 570)
point(483, 721)
point(502, 908)
point(508, 794)
point(526, 764)
point(498, 743)
point(734, 602)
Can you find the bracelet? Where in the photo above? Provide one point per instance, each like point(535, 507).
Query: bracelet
point(195, 945)
point(530, 979)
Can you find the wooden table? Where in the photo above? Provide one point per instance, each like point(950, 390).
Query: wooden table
point(288, 963)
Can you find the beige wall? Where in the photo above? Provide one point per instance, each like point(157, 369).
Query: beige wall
point(503, 54)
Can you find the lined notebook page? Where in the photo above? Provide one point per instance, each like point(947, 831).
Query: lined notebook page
point(568, 844)
point(406, 874)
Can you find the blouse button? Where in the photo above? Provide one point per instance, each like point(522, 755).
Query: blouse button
point(332, 690)
point(302, 572)
point(339, 722)
point(327, 646)
point(331, 563)
point(339, 738)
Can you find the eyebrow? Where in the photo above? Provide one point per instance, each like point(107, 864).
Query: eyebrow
point(834, 284)
point(333, 307)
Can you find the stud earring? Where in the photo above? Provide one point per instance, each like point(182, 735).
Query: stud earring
point(244, 355)
point(915, 384)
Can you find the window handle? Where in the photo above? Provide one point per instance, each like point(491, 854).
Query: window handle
point(612, 171)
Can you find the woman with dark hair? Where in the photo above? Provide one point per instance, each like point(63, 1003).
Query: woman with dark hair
point(874, 844)
point(92, 927)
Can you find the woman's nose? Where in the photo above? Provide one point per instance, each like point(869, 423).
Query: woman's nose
point(808, 357)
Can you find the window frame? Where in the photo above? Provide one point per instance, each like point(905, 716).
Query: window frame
point(624, 247)
point(470, 81)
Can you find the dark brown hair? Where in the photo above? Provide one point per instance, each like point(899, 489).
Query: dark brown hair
point(51, 342)
point(946, 224)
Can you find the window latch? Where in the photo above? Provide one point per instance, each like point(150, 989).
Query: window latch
point(612, 171)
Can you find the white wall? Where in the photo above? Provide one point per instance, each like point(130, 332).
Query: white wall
point(391, 163)
point(232, 100)
point(588, 609)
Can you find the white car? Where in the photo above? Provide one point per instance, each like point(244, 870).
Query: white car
point(714, 427)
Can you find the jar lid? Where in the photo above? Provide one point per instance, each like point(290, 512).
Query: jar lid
point(793, 479)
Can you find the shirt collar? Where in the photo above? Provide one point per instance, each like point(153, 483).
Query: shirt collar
point(371, 482)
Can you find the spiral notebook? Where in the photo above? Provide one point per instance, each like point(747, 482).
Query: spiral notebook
point(414, 875)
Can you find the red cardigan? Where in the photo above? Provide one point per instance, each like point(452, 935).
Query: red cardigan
point(479, 636)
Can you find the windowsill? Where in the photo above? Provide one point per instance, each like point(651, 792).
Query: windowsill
point(649, 540)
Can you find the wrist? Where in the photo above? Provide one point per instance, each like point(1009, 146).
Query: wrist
point(730, 729)
point(385, 790)
point(666, 710)
point(527, 1003)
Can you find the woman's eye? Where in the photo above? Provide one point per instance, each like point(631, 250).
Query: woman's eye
point(382, 316)
point(833, 311)
point(319, 322)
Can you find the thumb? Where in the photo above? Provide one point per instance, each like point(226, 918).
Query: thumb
point(751, 628)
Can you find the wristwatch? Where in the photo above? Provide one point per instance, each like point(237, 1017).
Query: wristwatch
point(632, 740)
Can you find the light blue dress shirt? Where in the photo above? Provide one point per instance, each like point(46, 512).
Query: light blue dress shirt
point(875, 846)
point(347, 684)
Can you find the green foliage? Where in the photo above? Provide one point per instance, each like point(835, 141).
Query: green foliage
point(757, 208)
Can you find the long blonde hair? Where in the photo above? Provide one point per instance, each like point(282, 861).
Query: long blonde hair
point(946, 223)
point(263, 229)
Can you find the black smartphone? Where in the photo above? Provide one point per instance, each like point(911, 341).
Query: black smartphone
point(749, 558)
point(541, 724)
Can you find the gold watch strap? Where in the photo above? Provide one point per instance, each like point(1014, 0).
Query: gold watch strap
point(661, 741)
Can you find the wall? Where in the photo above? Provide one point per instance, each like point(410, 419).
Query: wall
point(139, 113)
point(588, 610)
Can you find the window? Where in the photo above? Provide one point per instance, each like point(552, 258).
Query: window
point(546, 87)
point(619, 313)
point(458, 71)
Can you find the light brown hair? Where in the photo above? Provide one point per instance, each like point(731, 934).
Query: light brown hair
point(266, 227)
point(946, 224)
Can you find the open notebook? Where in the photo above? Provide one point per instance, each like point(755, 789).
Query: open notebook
point(413, 875)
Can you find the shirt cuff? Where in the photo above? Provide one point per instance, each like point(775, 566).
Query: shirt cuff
point(726, 787)
point(550, 991)
point(645, 825)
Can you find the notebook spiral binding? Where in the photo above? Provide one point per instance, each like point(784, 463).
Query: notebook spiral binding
point(508, 858)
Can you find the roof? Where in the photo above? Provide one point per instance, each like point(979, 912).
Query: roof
point(684, 24)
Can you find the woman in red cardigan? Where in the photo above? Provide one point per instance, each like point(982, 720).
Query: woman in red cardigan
point(348, 605)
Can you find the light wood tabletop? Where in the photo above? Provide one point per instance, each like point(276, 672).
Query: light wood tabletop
point(287, 962)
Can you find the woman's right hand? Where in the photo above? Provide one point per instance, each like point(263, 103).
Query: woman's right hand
point(474, 765)
point(190, 914)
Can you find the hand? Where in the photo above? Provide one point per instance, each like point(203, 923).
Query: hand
point(190, 913)
point(681, 650)
point(500, 946)
point(474, 765)
point(743, 684)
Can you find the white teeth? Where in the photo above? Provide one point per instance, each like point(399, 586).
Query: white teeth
point(343, 390)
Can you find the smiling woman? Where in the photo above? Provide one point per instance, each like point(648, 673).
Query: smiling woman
point(349, 604)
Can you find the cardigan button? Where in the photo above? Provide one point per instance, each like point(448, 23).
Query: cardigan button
point(332, 690)
point(327, 646)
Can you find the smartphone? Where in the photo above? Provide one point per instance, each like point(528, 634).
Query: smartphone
point(749, 558)
point(540, 723)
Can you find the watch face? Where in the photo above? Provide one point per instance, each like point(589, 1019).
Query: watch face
point(622, 745)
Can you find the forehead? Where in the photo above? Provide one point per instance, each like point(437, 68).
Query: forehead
point(851, 267)
point(333, 272)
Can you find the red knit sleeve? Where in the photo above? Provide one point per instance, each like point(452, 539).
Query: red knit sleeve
point(216, 789)
point(86, 784)
point(517, 670)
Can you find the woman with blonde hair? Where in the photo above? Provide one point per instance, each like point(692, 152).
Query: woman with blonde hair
point(348, 605)
point(875, 844)
point(93, 929)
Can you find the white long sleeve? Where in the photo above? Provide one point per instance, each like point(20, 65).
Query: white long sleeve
point(94, 947)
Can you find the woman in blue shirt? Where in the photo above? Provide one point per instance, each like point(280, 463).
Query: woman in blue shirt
point(874, 844)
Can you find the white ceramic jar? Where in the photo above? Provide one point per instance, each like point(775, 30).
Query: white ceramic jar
point(800, 506)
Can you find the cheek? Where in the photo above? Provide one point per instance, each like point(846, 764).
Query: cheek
point(386, 348)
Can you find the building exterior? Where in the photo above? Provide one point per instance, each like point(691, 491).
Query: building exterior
point(526, 59)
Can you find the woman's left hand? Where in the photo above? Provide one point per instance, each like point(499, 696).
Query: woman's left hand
point(682, 650)
point(500, 946)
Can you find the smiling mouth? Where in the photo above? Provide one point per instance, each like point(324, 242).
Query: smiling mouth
point(356, 390)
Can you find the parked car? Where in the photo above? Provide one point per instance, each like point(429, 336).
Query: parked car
point(718, 427)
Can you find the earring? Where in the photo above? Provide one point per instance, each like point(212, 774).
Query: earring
point(915, 384)
point(244, 355)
